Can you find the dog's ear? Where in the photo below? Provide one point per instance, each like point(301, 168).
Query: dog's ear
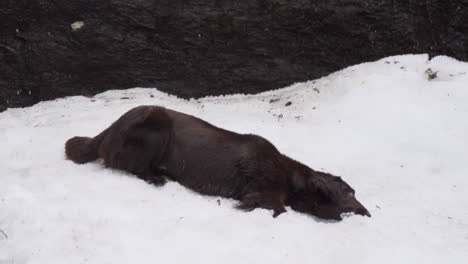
point(298, 181)
point(309, 181)
point(318, 183)
point(326, 184)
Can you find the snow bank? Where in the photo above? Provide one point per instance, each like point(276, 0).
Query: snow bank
point(397, 137)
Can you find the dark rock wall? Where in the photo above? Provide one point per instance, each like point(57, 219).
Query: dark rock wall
point(208, 47)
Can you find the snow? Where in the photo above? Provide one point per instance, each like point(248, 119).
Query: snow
point(397, 137)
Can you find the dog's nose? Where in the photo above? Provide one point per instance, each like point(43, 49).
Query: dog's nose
point(356, 207)
point(364, 212)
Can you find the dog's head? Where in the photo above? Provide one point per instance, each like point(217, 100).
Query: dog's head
point(325, 196)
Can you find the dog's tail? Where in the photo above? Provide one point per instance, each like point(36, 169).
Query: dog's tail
point(84, 149)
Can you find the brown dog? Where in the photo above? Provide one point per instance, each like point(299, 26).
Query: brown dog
point(154, 143)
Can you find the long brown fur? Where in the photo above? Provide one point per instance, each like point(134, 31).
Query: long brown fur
point(155, 143)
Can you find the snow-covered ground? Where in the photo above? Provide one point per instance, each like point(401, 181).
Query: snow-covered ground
point(397, 137)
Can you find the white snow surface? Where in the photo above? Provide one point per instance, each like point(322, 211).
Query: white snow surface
point(399, 139)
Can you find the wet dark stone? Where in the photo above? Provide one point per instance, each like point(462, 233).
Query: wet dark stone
point(51, 48)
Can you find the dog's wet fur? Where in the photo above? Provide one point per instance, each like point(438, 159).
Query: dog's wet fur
point(157, 144)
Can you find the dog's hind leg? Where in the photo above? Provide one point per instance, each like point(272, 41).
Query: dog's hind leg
point(139, 145)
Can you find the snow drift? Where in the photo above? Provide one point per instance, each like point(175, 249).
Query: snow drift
point(397, 133)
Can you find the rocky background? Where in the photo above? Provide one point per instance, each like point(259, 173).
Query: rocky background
point(52, 48)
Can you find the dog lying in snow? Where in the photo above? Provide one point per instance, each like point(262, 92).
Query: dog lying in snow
point(155, 143)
